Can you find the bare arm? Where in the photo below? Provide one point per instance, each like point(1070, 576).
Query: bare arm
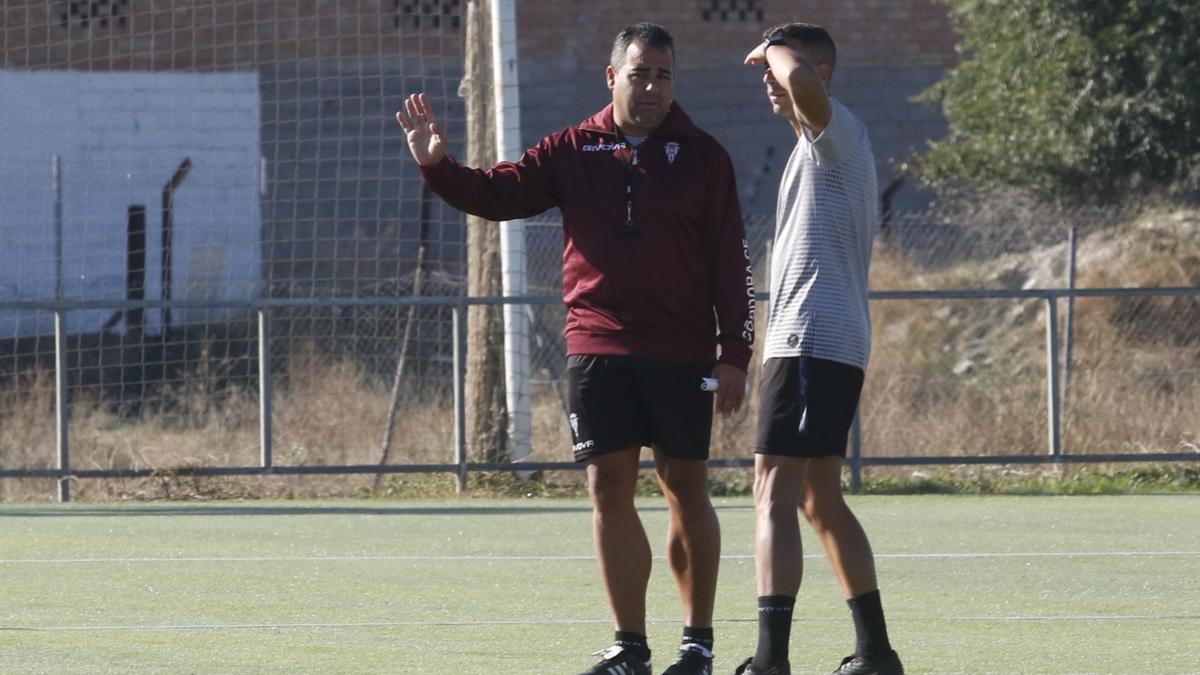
point(802, 81)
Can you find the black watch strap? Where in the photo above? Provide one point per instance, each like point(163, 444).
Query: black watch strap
point(776, 38)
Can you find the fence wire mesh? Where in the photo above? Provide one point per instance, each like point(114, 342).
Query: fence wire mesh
point(246, 151)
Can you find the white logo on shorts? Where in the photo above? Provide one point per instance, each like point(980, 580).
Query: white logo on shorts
point(574, 420)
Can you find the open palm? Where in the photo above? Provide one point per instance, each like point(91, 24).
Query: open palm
point(425, 139)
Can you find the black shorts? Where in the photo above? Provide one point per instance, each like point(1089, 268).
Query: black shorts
point(806, 406)
point(617, 402)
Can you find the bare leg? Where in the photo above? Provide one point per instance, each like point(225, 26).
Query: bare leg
point(778, 555)
point(845, 542)
point(778, 559)
point(693, 536)
point(621, 544)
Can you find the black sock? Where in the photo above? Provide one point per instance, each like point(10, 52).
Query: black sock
point(774, 630)
point(698, 636)
point(636, 644)
point(869, 626)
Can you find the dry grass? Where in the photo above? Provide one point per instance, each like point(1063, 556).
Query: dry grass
point(27, 431)
point(946, 377)
point(968, 377)
point(325, 412)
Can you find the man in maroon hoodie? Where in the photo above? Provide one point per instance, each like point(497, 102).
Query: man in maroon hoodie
point(656, 277)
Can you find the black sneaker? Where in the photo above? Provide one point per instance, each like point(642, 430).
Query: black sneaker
point(747, 669)
point(693, 659)
point(616, 660)
point(861, 665)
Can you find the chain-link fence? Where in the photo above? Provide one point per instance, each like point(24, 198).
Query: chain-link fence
point(960, 377)
point(165, 174)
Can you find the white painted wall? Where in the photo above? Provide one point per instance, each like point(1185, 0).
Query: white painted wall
point(120, 137)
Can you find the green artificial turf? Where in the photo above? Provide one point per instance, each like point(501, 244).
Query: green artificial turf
point(971, 585)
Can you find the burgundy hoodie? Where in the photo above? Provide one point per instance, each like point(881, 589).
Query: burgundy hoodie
point(655, 258)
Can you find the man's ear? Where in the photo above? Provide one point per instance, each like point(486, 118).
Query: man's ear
point(826, 72)
point(610, 77)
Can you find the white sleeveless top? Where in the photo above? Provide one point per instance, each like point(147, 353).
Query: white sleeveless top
point(825, 224)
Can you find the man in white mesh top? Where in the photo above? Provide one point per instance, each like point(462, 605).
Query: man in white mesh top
point(817, 344)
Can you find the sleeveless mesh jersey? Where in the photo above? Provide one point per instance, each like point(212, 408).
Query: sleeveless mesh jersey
point(825, 224)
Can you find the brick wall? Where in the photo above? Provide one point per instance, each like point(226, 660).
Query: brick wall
point(888, 51)
point(222, 34)
point(899, 33)
point(343, 203)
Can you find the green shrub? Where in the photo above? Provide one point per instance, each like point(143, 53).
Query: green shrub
point(1069, 99)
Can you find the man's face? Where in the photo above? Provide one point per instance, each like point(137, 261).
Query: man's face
point(781, 103)
point(641, 88)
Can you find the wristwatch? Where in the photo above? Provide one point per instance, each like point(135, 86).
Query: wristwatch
point(775, 38)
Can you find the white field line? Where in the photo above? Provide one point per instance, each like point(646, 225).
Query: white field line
point(560, 622)
point(553, 558)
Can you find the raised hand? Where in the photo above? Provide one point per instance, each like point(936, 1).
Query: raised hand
point(757, 55)
point(425, 139)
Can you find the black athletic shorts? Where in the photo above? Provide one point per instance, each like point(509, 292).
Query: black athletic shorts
point(617, 402)
point(806, 406)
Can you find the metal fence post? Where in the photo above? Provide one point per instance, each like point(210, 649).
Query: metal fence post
point(61, 411)
point(460, 416)
point(1052, 392)
point(56, 171)
point(1069, 319)
point(1055, 388)
point(264, 388)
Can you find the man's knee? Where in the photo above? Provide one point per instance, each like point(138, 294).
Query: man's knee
point(778, 485)
point(824, 506)
point(775, 502)
point(612, 482)
point(815, 511)
point(685, 482)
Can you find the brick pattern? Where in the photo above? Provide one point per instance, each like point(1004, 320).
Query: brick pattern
point(245, 34)
point(889, 50)
point(332, 71)
point(342, 204)
point(900, 33)
point(222, 34)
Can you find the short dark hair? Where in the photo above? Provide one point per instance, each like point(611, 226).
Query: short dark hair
point(817, 43)
point(652, 35)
